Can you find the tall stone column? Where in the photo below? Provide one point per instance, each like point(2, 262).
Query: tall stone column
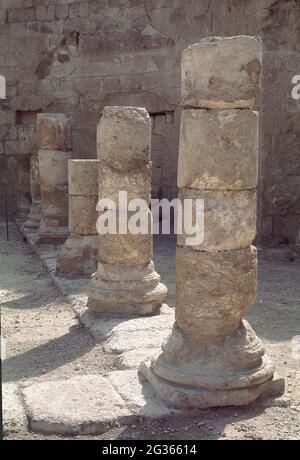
point(34, 218)
point(296, 246)
point(213, 357)
point(54, 140)
point(126, 282)
point(79, 253)
point(23, 178)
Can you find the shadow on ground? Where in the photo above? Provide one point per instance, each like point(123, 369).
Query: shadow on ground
point(49, 356)
point(200, 425)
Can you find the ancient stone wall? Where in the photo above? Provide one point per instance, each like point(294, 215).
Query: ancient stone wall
point(76, 57)
point(279, 186)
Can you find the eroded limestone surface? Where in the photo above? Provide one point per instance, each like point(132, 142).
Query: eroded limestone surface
point(54, 141)
point(221, 72)
point(79, 253)
point(212, 356)
point(218, 149)
point(54, 131)
point(126, 281)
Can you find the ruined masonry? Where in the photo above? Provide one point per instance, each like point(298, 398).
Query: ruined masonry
point(79, 253)
point(126, 281)
point(212, 356)
point(54, 141)
point(23, 186)
point(34, 218)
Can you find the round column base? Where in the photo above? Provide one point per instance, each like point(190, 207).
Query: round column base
point(56, 238)
point(34, 219)
point(230, 371)
point(126, 290)
point(78, 256)
point(32, 224)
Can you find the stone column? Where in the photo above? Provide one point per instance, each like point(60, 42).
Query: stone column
point(213, 357)
point(79, 253)
point(296, 246)
point(126, 282)
point(54, 140)
point(23, 187)
point(34, 218)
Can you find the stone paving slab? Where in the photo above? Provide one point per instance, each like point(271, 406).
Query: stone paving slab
point(93, 404)
point(14, 417)
point(51, 264)
point(133, 358)
point(121, 333)
point(47, 254)
point(86, 404)
point(103, 327)
point(90, 404)
point(129, 339)
point(138, 395)
point(48, 251)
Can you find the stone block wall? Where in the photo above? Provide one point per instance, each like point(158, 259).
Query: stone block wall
point(279, 186)
point(78, 56)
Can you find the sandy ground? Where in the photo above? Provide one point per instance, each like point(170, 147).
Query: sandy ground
point(43, 340)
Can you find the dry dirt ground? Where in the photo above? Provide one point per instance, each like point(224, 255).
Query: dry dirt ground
point(43, 340)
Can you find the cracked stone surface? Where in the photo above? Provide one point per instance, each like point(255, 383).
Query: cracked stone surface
point(86, 404)
point(110, 327)
point(138, 394)
point(91, 404)
point(278, 293)
point(139, 333)
point(14, 417)
point(133, 358)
